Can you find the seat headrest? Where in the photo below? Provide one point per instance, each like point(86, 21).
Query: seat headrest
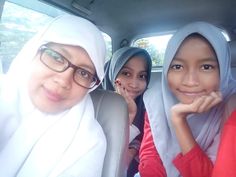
point(232, 45)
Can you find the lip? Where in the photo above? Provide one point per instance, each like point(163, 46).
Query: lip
point(133, 93)
point(52, 96)
point(192, 94)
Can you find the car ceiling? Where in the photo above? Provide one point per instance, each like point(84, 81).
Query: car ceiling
point(127, 19)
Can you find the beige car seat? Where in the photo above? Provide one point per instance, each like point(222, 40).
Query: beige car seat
point(112, 113)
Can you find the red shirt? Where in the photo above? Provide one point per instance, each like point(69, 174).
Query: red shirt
point(225, 165)
point(150, 164)
point(193, 164)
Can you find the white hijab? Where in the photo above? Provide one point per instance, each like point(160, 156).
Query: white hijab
point(35, 144)
point(159, 99)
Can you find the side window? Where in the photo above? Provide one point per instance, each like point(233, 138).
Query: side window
point(22, 19)
point(18, 25)
point(156, 46)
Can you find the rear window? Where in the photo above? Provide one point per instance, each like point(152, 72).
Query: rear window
point(156, 47)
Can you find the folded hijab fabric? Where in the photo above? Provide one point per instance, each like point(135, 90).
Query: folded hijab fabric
point(159, 99)
point(36, 144)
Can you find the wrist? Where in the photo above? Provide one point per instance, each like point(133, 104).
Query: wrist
point(178, 121)
point(131, 118)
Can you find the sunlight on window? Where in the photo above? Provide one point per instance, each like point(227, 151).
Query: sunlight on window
point(226, 36)
point(18, 24)
point(108, 42)
point(155, 46)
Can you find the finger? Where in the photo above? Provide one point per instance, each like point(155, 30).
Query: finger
point(210, 101)
point(195, 106)
point(122, 91)
point(127, 96)
point(184, 109)
point(217, 98)
point(118, 87)
point(206, 103)
point(217, 95)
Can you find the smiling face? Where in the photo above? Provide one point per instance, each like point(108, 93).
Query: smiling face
point(194, 70)
point(134, 76)
point(53, 92)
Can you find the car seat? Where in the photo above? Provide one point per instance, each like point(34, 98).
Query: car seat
point(112, 113)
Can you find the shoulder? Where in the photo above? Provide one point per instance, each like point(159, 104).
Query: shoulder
point(232, 99)
point(95, 129)
point(230, 106)
point(91, 130)
point(232, 119)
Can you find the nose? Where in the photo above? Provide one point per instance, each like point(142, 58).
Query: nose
point(191, 79)
point(65, 78)
point(133, 83)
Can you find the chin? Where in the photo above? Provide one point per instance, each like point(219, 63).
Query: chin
point(133, 97)
point(47, 108)
point(186, 100)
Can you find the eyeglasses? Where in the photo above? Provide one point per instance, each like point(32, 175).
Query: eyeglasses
point(58, 63)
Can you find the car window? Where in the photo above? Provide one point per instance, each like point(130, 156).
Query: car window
point(20, 20)
point(156, 46)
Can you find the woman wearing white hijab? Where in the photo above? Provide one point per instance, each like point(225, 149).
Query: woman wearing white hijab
point(190, 149)
point(47, 125)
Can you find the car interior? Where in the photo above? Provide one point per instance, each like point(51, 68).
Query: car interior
point(126, 21)
point(115, 127)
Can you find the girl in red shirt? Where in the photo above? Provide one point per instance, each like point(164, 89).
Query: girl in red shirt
point(186, 111)
point(226, 157)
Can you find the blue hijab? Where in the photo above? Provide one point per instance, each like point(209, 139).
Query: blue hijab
point(159, 99)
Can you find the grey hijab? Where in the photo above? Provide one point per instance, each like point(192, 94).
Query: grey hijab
point(113, 67)
point(117, 62)
point(159, 99)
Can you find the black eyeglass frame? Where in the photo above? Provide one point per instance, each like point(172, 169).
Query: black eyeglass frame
point(95, 79)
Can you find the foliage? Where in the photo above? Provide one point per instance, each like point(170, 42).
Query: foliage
point(156, 55)
point(17, 26)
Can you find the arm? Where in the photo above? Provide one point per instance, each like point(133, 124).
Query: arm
point(150, 162)
point(179, 113)
point(226, 157)
point(133, 150)
point(195, 163)
point(192, 161)
point(132, 107)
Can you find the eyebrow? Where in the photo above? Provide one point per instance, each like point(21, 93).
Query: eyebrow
point(209, 59)
point(64, 51)
point(84, 66)
point(87, 67)
point(126, 67)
